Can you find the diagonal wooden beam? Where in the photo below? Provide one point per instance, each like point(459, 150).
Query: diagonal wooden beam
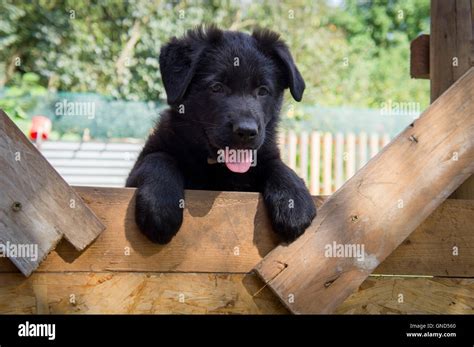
point(37, 207)
point(378, 207)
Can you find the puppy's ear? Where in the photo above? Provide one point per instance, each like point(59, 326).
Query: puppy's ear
point(178, 60)
point(269, 42)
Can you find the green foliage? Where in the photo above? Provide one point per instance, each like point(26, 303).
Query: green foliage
point(379, 33)
point(352, 55)
point(22, 96)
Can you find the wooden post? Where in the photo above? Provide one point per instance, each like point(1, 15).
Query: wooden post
point(420, 57)
point(451, 55)
point(380, 206)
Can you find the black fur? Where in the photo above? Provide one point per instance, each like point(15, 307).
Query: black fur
point(210, 97)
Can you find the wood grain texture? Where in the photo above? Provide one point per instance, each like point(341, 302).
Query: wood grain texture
point(206, 244)
point(420, 57)
point(450, 43)
point(136, 293)
point(411, 295)
point(416, 169)
point(46, 208)
point(188, 293)
point(221, 232)
point(451, 55)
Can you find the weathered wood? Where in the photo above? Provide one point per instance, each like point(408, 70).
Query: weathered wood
point(451, 55)
point(208, 239)
point(139, 293)
point(37, 207)
point(221, 232)
point(443, 245)
point(420, 57)
point(191, 293)
point(379, 207)
point(411, 295)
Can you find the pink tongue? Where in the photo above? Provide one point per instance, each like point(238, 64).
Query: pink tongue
point(239, 163)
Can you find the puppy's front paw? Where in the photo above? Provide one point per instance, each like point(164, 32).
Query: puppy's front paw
point(158, 217)
point(291, 211)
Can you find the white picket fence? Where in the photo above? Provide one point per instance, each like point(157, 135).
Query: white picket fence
point(324, 160)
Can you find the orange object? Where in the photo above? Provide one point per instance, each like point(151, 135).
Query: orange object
point(40, 125)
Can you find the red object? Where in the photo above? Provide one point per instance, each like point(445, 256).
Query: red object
point(40, 125)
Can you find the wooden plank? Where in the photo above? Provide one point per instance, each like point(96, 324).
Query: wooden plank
point(208, 239)
point(420, 57)
point(451, 55)
point(37, 207)
point(327, 164)
point(282, 144)
point(411, 295)
point(139, 293)
point(292, 144)
point(374, 144)
point(191, 293)
point(362, 150)
point(436, 247)
point(304, 156)
point(450, 43)
point(351, 156)
point(221, 232)
point(339, 161)
point(385, 140)
point(315, 162)
point(366, 211)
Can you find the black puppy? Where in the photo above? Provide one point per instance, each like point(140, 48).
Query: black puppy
point(225, 91)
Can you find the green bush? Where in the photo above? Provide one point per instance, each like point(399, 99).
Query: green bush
point(353, 55)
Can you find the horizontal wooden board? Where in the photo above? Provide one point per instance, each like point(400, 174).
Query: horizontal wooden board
point(411, 295)
point(443, 245)
point(135, 293)
point(146, 293)
point(235, 234)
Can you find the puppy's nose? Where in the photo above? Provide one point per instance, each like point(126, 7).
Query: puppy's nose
point(245, 130)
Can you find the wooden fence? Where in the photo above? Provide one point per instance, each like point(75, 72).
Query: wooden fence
point(324, 160)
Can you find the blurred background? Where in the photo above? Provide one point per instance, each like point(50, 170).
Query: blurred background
point(82, 80)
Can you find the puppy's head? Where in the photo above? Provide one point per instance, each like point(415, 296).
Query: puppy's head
point(230, 85)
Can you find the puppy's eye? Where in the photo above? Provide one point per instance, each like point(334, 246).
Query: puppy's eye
point(217, 88)
point(263, 91)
